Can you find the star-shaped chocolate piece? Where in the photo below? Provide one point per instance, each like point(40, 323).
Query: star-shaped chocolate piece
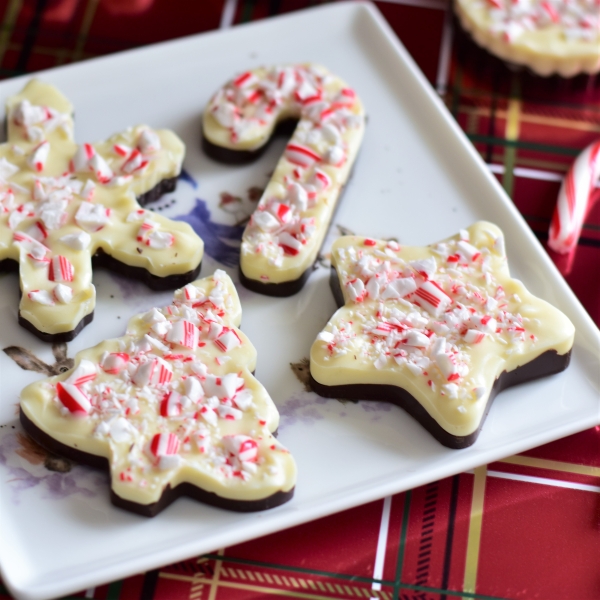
point(63, 203)
point(438, 330)
point(171, 409)
point(283, 237)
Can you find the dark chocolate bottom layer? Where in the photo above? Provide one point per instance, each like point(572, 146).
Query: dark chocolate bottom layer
point(162, 187)
point(56, 338)
point(548, 363)
point(159, 284)
point(242, 157)
point(169, 494)
point(278, 290)
point(103, 260)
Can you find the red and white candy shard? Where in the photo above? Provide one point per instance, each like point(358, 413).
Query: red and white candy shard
point(577, 195)
point(441, 321)
point(172, 403)
point(60, 202)
point(285, 232)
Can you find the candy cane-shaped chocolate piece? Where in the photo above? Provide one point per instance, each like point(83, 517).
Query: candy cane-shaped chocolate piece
point(574, 200)
point(280, 245)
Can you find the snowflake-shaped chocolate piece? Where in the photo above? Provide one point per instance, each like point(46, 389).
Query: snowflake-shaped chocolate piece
point(63, 203)
point(172, 407)
point(438, 330)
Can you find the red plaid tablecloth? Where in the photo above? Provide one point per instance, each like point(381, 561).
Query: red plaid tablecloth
point(525, 527)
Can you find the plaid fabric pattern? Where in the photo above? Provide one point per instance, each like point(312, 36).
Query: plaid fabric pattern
point(525, 527)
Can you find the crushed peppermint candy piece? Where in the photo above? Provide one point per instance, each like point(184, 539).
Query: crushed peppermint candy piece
point(137, 215)
point(148, 142)
point(63, 294)
point(41, 297)
point(290, 244)
point(61, 269)
point(92, 217)
point(170, 405)
point(265, 220)
point(183, 333)
point(73, 399)
point(85, 371)
point(77, 241)
point(221, 387)
point(88, 190)
point(38, 157)
point(26, 114)
point(7, 169)
point(114, 362)
point(242, 447)
point(301, 155)
point(432, 297)
point(155, 371)
point(149, 235)
point(229, 413)
point(87, 159)
point(193, 389)
point(164, 448)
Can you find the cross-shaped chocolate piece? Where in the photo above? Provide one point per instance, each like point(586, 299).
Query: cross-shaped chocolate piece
point(63, 204)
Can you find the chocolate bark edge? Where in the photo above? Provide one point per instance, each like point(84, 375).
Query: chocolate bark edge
point(548, 363)
point(169, 494)
point(243, 157)
point(276, 290)
point(56, 338)
point(162, 187)
point(154, 282)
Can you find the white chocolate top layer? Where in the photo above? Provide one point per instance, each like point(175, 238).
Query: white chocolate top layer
point(61, 202)
point(172, 401)
point(441, 321)
point(550, 36)
point(287, 229)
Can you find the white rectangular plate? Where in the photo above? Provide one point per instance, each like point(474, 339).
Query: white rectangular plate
point(417, 179)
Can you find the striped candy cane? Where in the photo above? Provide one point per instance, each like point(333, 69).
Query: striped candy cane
point(574, 200)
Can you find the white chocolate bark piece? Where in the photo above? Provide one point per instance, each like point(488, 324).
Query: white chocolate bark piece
point(61, 202)
point(442, 322)
point(172, 401)
point(549, 36)
point(287, 229)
